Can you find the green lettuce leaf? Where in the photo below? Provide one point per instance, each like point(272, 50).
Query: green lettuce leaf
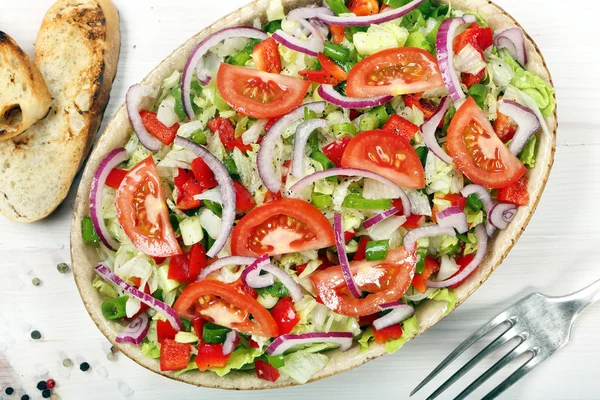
point(302, 365)
point(364, 340)
point(190, 367)
point(531, 84)
point(149, 349)
point(447, 295)
point(410, 329)
point(240, 357)
point(527, 155)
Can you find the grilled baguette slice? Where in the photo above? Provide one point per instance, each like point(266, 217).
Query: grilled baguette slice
point(77, 50)
point(24, 96)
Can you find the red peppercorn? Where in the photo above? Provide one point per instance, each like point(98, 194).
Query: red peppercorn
point(50, 383)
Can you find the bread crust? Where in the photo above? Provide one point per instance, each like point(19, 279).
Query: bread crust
point(24, 96)
point(77, 51)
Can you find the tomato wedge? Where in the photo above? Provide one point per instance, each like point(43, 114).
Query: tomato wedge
point(266, 56)
point(386, 154)
point(224, 305)
point(280, 227)
point(383, 281)
point(259, 94)
point(143, 213)
point(478, 152)
point(395, 71)
point(330, 73)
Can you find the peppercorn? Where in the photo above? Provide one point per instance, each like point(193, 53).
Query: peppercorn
point(114, 350)
point(46, 393)
point(84, 366)
point(62, 268)
point(50, 383)
point(36, 335)
point(41, 385)
point(67, 362)
point(9, 390)
point(36, 282)
point(25, 397)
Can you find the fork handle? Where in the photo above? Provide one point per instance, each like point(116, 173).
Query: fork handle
point(585, 297)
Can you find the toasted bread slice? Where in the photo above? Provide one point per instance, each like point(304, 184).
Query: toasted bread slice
point(24, 96)
point(77, 50)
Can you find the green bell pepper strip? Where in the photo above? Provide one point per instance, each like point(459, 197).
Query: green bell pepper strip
point(355, 200)
point(272, 26)
point(320, 157)
point(114, 308)
point(377, 250)
point(88, 232)
point(214, 207)
point(336, 52)
point(198, 137)
point(278, 289)
point(338, 6)
point(344, 128)
point(179, 109)
point(474, 203)
point(321, 200)
point(380, 113)
point(421, 254)
point(214, 334)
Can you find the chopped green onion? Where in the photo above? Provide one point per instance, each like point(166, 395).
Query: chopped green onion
point(114, 308)
point(179, 109)
point(478, 92)
point(198, 137)
point(422, 153)
point(313, 140)
point(338, 6)
point(336, 52)
point(321, 200)
point(272, 26)
point(214, 207)
point(421, 255)
point(88, 232)
point(355, 200)
point(214, 334)
point(377, 250)
point(368, 123)
point(474, 203)
point(464, 238)
point(343, 129)
point(278, 289)
point(380, 113)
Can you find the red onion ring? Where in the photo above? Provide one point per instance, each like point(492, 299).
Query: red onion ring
point(251, 276)
point(430, 126)
point(307, 180)
point(231, 340)
point(482, 240)
point(385, 16)
point(528, 123)
point(157, 305)
point(314, 45)
point(136, 331)
point(195, 62)
point(501, 215)
point(308, 13)
point(400, 312)
point(445, 54)
point(133, 98)
point(328, 93)
point(411, 237)
point(340, 244)
point(227, 191)
point(221, 262)
point(380, 217)
point(286, 342)
point(453, 217)
point(113, 159)
point(303, 132)
point(513, 40)
point(264, 159)
point(486, 199)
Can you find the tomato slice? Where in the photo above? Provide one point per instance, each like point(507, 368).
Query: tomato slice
point(280, 227)
point(143, 213)
point(400, 126)
point(516, 193)
point(363, 7)
point(386, 154)
point(478, 152)
point(266, 56)
point(393, 72)
point(259, 94)
point(224, 128)
point(504, 126)
point(330, 73)
point(224, 305)
point(285, 315)
point(383, 282)
point(158, 129)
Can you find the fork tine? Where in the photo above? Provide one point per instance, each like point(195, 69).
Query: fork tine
point(516, 352)
point(514, 377)
point(494, 322)
point(507, 335)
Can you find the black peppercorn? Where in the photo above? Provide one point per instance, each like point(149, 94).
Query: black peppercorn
point(46, 393)
point(41, 385)
point(84, 366)
point(25, 397)
point(9, 390)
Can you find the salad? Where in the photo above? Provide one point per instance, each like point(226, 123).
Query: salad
point(302, 185)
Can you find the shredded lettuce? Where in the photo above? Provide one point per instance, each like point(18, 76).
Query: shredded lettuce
point(474, 218)
point(531, 84)
point(190, 367)
point(445, 295)
point(104, 287)
point(149, 349)
point(500, 72)
point(441, 177)
point(410, 329)
point(275, 10)
point(441, 245)
point(527, 155)
point(469, 60)
point(315, 317)
point(383, 230)
point(186, 337)
point(365, 338)
point(472, 246)
point(380, 37)
point(302, 365)
point(240, 357)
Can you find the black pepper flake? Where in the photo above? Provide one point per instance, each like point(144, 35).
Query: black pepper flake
point(36, 335)
point(41, 385)
point(9, 390)
point(46, 393)
point(84, 366)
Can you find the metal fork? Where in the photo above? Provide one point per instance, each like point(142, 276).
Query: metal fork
point(539, 324)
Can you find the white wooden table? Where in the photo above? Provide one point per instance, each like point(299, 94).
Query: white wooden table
point(556, 255)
